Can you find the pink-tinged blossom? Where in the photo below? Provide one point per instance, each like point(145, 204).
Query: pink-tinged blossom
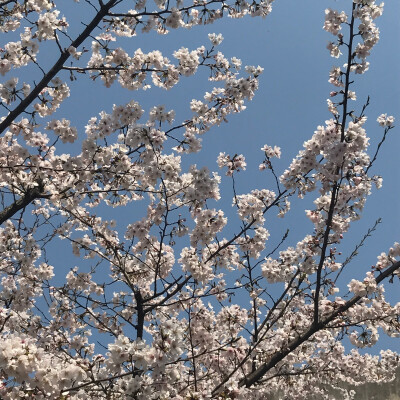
point(236, 163)
point(334, 20)
point(47, 23)
point(334, 50)
point(5, 66)
point(271, 151)
point(385, 120)
point(215, 39)
point(63, 129)
point(159, 282)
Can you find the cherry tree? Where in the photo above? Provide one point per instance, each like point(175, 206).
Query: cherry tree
point(177, 303)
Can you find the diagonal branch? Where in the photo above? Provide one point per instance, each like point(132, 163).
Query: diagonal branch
point(256, 375)
point(30, 195)
point(56, 67)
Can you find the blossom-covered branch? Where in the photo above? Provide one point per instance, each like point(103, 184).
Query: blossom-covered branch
point(177, 293)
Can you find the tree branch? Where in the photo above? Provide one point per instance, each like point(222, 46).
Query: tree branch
point(255, 376)
point(336, 186)
point(56, 67)
point(30, 195)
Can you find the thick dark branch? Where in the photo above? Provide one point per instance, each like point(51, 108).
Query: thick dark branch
point(336, 186)
point(56, 68)
point(348, 72)
point(30, 195)
point(140, 314)
point(255, 376)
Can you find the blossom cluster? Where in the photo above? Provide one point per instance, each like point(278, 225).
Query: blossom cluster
point(236, 163)
point(169, 299)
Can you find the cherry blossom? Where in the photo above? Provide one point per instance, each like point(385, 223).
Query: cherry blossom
point(173, 293)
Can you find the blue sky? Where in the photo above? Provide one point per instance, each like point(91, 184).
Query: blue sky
point(290, 45)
